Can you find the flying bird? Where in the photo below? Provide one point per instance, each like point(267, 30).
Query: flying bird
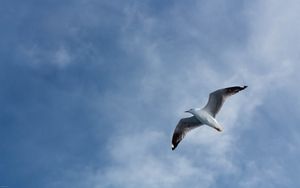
point(204, 116)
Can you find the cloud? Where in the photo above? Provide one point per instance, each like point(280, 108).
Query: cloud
point(141, 157)
point(36, 56)
point(153, 62)
point(178, 78)
point(271, 175)
point(136, 164)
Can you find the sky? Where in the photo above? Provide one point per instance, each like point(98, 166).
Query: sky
point(91, 92)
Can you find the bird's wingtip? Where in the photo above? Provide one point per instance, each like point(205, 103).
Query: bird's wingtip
point(244, 87)
point(173, 147)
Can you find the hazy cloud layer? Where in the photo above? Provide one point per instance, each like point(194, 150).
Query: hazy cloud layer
point(95, 89)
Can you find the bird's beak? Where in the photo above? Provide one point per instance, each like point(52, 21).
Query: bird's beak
point(218, 129)
point(187, 111)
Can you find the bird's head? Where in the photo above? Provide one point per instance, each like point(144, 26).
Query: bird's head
point(192, 110)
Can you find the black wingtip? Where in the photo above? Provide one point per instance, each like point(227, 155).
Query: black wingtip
point(242, 87)
point(173, 147)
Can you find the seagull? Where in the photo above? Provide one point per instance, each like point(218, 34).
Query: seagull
point(204, 116)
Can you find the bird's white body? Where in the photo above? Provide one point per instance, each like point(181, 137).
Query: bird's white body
point(205, 118)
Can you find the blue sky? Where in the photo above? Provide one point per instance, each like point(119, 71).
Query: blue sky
point(92, 90)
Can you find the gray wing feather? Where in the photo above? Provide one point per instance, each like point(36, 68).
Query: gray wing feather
point(184, 125)
point(218, 97)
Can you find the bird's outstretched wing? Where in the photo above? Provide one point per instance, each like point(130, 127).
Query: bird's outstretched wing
point(217, 98)
point(184, 125)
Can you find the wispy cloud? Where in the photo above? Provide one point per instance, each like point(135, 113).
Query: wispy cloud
point(174, 83)
point(161, 59)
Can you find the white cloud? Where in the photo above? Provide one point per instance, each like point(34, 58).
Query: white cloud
point(265, 63)
point(137, 161)
point(38, 56)
point(62, 57)
point(178, 72)
point(270, 175)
